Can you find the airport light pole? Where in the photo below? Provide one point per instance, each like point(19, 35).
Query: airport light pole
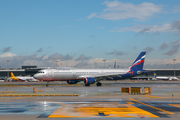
point(104, 62)
point(174, 66)
point(8, 68)
point(114, 63)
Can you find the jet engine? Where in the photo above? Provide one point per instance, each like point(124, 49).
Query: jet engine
point(72, 81)
point(88, 80)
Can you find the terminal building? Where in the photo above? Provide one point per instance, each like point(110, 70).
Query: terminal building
point(31, 70)
point(24, 71)
point(159, 72)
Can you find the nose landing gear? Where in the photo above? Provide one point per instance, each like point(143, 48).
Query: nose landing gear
point(47, 85)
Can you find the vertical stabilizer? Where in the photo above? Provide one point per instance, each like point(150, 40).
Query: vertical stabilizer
point(12, 75)
point(154, 74)
point(139, 62)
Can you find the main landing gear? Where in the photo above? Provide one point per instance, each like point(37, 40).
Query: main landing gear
point(98, 84)
point(87, 84)
point(47, 85)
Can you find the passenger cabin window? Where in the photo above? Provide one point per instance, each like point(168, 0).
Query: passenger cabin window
point(41, 72)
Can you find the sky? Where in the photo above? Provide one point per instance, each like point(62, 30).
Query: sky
point(82, 33)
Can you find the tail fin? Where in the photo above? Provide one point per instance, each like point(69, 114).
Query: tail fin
point(154, 74)
point(139, 62)
point(12, 75)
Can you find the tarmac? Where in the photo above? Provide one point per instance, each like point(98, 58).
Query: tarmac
point(18, 101)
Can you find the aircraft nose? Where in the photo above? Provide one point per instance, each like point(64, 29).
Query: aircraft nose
point(36, 76)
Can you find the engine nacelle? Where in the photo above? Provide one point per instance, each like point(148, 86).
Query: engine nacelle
point(88, 80)
point(72, 81)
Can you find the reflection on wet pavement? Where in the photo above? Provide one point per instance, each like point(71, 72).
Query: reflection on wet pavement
point(27, 107)
point(131, 108)
point(94, 102)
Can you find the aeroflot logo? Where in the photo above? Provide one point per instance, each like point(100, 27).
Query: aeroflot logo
point(140, 61)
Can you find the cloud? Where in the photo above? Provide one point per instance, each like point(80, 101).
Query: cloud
point(156, 29)
point(176, 26)
point(45, 57)
point(134, 47)
point(82, 58)
point(60, 57)
point(173, 50)
point(117, 10)
point(134, 28)
point(156, 33)
point(40, 50)
point(41, 61)
point(7, 49)
point(81, 61)
point(163, 46)
point(8, 54)
point(81, 64)
point(17, 61)
point(96, 65)
point(144, 31)
point(174, 46)
point(175, 42)
point(92, 36)
point(46, 61)
point(148, 49)
point(91, 15)
point(117, 53)
point(176, 9)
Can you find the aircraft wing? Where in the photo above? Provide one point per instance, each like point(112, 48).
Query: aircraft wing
point(100, 77)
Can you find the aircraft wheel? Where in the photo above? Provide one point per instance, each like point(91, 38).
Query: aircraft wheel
point(98, 84)
point(47, 85)
point(87, 84)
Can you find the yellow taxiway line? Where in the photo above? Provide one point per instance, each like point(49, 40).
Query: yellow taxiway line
point(151, 106)
point(175, 105)
point(100, 110)
point(152, 96)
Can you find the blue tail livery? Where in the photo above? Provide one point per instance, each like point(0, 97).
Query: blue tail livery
point(135, 69)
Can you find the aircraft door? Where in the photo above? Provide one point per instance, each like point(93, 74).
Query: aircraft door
point(49, 73)
point(74, 72)
point(102, 72)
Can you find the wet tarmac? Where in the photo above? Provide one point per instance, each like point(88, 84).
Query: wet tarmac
point(105, 102)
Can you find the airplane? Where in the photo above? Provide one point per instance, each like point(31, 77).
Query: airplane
point(23, 78)
point(164, 78)
point(1, 80)
point(90, 76)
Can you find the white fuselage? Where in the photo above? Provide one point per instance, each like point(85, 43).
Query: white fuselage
point(162, 78)
point(167, 78)
point(76, 74)
point(26, 78)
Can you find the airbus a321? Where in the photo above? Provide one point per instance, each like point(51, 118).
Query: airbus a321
point(90, 76)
